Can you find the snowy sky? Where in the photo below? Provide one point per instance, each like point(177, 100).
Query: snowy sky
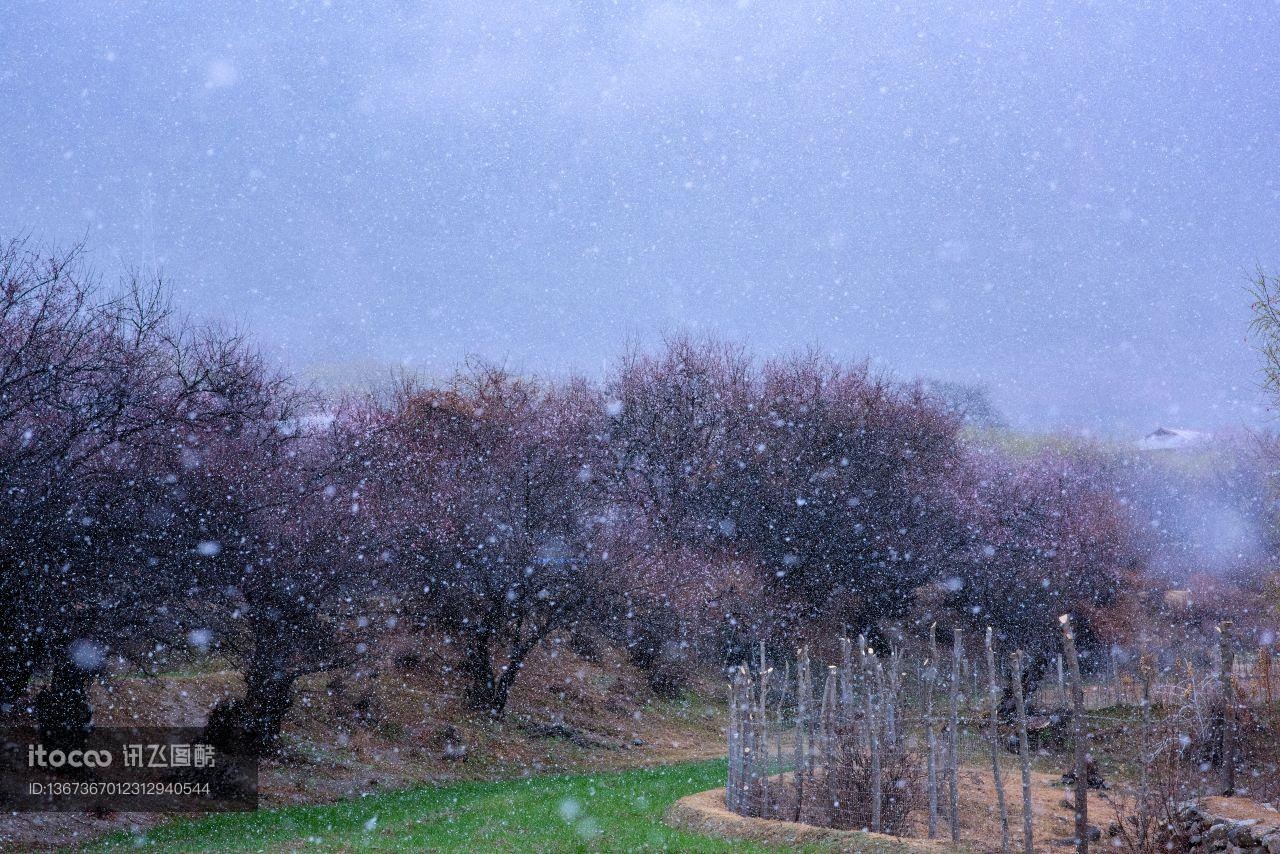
point(1063, 200)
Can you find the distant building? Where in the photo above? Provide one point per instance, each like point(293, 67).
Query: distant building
point(1164, 439)
point(315, 423)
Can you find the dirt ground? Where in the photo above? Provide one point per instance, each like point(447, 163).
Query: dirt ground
point(1241, 809)
point(1053, 822)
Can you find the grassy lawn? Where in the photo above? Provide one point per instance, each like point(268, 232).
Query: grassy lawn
point(608, 811)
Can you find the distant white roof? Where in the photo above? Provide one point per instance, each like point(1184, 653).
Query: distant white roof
point(316, 423)
point(1165, 439)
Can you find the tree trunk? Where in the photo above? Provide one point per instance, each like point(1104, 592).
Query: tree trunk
point(21, 647)
point(502, 687)
point(481, 691)
point(251, 725)
point(484, 691)
point(18, 651)
point(64, 715)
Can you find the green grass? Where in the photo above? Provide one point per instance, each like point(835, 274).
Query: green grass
point(616, 811)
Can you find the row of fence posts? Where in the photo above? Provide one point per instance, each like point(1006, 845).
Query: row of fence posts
point(756, 758)
point(1252, 675)
point(752, 739)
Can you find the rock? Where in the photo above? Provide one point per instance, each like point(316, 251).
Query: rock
point(1094, 833)
point(1067, 803)
point(575, 735)
point(451, 745)
point(1240, 836)
point(1093, 777)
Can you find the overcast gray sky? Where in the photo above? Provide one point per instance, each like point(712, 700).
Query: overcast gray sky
point(1063, 200)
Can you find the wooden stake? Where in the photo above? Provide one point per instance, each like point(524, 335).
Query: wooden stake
point(891, 696)
point(762, 742)
point(829, 713)
point(1078, 735)
point(827, 718)
point(873, 734)
point(735, 738)
point(847, 689)
point(777, 731)
point(930, 675)
point(993, 692)
point(740, 771)
point(1144, 746)
point(1264, 666)
point(953, 761)
point(749, 744)
point(866, 684)
point(804, 691)
point(1115, 690)
point(1227, 660)
point(1024, 753)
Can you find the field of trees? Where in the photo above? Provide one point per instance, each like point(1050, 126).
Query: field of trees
point(171, 499)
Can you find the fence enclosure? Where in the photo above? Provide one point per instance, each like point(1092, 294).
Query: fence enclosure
point(877, 739)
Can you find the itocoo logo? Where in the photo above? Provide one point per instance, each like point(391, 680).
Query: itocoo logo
point(37, 756)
